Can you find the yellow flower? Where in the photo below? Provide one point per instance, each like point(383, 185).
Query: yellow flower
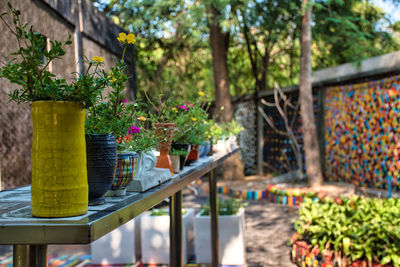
point(131, 38)
point(141, 118)
point(201, 93)
point(122, 37)
point(98, 59)
point(174, 109)
point(194, 119)
point(112, 79)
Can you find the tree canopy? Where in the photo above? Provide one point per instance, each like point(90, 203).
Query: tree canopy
point(173, 54)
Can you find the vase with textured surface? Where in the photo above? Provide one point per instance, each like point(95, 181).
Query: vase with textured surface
point(59, 175)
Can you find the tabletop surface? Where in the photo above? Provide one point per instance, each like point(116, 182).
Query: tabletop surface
point(17, 226)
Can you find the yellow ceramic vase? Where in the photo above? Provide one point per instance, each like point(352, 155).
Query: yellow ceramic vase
point(59, 176)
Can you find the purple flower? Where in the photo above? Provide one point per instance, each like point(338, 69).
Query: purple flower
point(124, 100)
point(183, 107)
point(133, 130)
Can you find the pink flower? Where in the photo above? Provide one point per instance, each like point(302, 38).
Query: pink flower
point(133, 130)
point(124, 100)
point(183, 107)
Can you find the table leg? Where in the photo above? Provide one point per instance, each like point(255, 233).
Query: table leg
point(20, 255)
point(175, 248)
point(215, 253)
point(30, 255)
point(38, 256)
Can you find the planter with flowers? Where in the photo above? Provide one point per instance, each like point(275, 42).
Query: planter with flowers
point(163, 117)
point(59, 177)
point(107, 124)
point(190, 129)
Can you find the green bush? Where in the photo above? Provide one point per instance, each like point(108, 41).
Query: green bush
point(228, 206)
point(359, 228)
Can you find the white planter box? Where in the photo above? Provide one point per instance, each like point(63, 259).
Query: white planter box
point(118, 246)
point(155, 237)
point(231, 239)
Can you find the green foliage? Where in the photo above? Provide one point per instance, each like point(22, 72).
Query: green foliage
point(350, 31)
point(227, 206)
point(191, 123)
point(114, 115)
point(165, 111)
point(177, 152)
point(173, 55)
point(163, 212)
point(144, 139)
point(28, 69)
point(360, 228)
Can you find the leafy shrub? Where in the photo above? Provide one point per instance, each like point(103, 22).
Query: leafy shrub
point(228, 206)
point(358, 228)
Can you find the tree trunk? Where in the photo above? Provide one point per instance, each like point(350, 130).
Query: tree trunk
point(310, 139)
point(232, 169)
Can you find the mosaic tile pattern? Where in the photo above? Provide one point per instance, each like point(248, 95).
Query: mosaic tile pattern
point(362, 133)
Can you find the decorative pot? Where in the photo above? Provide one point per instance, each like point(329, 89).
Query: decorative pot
point(193, 155)
point(59, 176)
point(165, 132)
point(126, 170)
point(181, 147)
point(145, 161)
point(204, 149)
point(101, 155)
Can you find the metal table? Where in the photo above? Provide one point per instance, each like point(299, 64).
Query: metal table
point(30, 236)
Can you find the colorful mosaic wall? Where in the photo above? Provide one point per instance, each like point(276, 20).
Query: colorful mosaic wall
point(362, 133)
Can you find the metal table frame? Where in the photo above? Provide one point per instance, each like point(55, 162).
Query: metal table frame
point(30, 236)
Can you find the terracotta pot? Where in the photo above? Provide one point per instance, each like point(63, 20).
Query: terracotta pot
point(193, 155)
point(165, 132)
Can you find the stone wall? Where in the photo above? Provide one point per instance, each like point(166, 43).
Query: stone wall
point(53, 19)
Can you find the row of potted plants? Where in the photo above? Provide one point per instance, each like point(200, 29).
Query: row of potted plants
point(354, 231)
point(118, 132)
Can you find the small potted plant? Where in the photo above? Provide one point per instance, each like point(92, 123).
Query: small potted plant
point(155, 236)
point(231, 232)
point(142, 141)
point(107, 123)
point(178, 158)
point(59, 179)
point(163, 116)
point(190, 128)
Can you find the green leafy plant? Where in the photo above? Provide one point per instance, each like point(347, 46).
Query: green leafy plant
point(113, 114)
point(214, 131)
point(164, 111)
point(191, 123)
point(141, 138)
point(29, 69)
point(163, 212)
point(357, 228)
point(177, 152)
point(228, 206)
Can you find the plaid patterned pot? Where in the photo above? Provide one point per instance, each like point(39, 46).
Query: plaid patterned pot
point(126, 170)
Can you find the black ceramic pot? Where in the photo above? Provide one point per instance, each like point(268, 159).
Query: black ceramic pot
point(101, 160)
point(181, 147)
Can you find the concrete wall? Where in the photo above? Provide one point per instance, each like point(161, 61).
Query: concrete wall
point(53, 19)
